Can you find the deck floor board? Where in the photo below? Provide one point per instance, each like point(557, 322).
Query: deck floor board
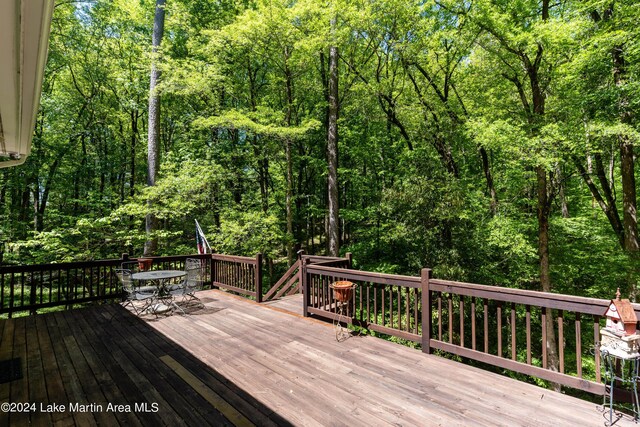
point(238, 362)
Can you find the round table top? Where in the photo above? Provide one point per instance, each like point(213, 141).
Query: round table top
point(158, 274)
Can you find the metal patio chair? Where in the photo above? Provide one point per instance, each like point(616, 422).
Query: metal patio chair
point(134, 294)
point(194, 280)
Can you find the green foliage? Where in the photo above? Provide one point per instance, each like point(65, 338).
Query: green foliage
point(426, 89)
point(247, 233)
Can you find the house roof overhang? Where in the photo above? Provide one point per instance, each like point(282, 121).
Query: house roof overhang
point(24, 40)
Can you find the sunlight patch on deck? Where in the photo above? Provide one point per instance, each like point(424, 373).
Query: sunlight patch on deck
point(209, 395)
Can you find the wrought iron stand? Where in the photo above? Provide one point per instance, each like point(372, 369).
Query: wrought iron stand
point(342, 294)
point(620, 372)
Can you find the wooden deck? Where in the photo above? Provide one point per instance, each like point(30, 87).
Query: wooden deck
point(239, 363)
point(290, 304)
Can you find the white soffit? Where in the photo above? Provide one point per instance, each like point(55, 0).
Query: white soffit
point(24, 40)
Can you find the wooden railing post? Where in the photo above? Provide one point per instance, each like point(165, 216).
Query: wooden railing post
point(258, 277)
point(305, 286)
point(214, 272)
point(349, 257)
point(426, 310)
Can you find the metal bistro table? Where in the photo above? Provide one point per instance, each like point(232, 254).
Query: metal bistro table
point(160, 278)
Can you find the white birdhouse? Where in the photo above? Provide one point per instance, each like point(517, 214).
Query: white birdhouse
point(619, 337)
point(621, 317)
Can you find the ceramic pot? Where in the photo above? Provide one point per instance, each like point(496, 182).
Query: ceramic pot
point(144, 264)
point(342, 290)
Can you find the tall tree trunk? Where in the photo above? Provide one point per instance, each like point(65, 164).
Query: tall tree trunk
point(629, 203)
point(151, 245)
point(289, 201)
point(289, 159)
point(564, 206)
point(534, 109)
point(132, 152)
point(332, 152)
point(543, 255)
point(42, 199)
point(629, 233)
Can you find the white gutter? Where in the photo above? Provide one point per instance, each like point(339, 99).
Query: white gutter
point(24, 40)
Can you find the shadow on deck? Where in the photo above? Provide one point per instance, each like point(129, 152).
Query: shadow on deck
point(239, 363)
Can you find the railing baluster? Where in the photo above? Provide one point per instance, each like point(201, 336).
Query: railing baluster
point(578, 346)
point(461, 310)
point(417, 296)
point(543, 317)
point(11, 295)
point(407, 308)
point(22, 289)
point(361, 296)
point(528, 326)
point(596, 342)
point(391, 306)
point(375, 303)
point(368, 303)
point(439, 316)
point(473, 323)
point(513, 331)
point(486, 325)
point(450, 314)
point(499, 318)
point(384, 320)
point(312, 291)
point(561, 340)
point(90, 281)
point(32, 294)
point(41, 283)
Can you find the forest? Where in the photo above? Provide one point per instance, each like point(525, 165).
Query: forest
point(492, 141)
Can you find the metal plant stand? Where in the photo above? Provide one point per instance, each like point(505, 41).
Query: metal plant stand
point(620, 372)
point(342, 294)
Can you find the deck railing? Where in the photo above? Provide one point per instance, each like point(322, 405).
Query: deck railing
point(29, 288)
point(239, 274)
point(503, 327)
point(385, 303)
point(291, 282)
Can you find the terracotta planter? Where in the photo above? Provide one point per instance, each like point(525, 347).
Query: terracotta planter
point(342, 290)
point(144, 264)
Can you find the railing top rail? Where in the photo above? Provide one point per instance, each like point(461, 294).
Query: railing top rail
point(172, 257)
point(7, 269)
point(332, 262)
point(320, 258)
point(233, 258)
point(382, 278)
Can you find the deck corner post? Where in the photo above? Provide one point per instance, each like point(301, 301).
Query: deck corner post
point(212, 271)
point(124, 257)
point(259, 277)
point(305, 286)
point(426, 310)
point(349, 257)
